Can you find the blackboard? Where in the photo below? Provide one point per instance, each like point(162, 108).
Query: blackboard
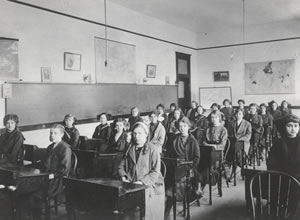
point(39, 103)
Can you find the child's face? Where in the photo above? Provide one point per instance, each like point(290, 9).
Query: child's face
point(252, 110)
point(103, 119)
point(215, 107)
point(292, 129)
point(241, 104)
point(263, 109)
point(177, 114)
point(55, 135)
point(134, 112)
point(172, 108)
point(194, 105)
point(153, 118)
point(119, 126)
point(240, 115)
point(160, 110)
point(274, 106)
point(215, 119)
point(200, 110)
point(285, 104)
point(183, 128)
point(69, 122)
point(226, 104)
point(10, 125)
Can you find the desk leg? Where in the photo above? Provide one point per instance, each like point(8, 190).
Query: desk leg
point(220, 177)
point(188, 198)
point(209, 182)
point(143, 206)
point(174, 202)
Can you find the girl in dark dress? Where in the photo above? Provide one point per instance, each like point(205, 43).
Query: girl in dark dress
point(118, 141)
point(71, 135)
point(173, 107)
point(228, 112)
point(11, 141)
point(103, 133)
point(201, 123)
point(267, 119)
point(192, 112)
point(162, 116)
point(241, 103)
point(284, 108)
point(135, 117)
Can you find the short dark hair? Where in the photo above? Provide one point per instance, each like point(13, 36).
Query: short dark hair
point(70, 116)
point(241, 100)
point(226, 100)
point(160, 105)
point(173, 105)
point(12, 117)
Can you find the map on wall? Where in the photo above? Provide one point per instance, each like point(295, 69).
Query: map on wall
point(9, 63)
point(115, 60)
point(272, 77)
point(210, 95)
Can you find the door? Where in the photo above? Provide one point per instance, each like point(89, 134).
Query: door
point(183, 79)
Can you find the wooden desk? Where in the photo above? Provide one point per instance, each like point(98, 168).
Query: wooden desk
point(209, 156)
point(177, 169)
point(103, 196)
point(85, 162)
point(20, 180)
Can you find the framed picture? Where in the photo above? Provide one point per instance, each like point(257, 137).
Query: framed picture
point(151, 71)
point(72, 61)
point(46, 74)
point(221, 76)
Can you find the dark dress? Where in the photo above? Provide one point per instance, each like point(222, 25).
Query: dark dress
point(58, 162)
point(11, 146)
point(285, 111)
point(192, 114)
point(268, 128)
point(201, 123)
point(103, 134)
point(120, 144)
point(132, 120)
point(71, 137)
point(256, 125)
point(228, 114)
point(183, 148)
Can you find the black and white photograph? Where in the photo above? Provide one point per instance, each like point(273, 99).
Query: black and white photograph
point(150, 110)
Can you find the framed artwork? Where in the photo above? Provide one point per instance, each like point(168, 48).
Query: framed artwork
point(221, 76)
point(72, 61)
point(151, 71)
point(9, 59)
point(46, 74)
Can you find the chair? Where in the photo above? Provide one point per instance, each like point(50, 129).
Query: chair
point(29, 153)
point(55, 198)
point(81, 142)
point(227, 162)
point(274, 195)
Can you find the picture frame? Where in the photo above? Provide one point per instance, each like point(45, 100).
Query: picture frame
point(151, 71)
point(72, 61)
point(46, 75)
point(221, 76)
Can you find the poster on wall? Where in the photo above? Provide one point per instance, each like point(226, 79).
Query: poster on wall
point(9, 61)
point(271, 77)
point(210, 95)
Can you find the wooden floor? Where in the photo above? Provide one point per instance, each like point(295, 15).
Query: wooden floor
point(231, 206)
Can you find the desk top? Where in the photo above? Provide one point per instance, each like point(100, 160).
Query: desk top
point(20, 171)
point(121, 187)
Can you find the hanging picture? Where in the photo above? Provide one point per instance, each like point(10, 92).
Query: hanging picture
point(9, 60)
point(221, 76)
point(72, 61)
point(46, 74)
point(151, 71)
point(270, 77)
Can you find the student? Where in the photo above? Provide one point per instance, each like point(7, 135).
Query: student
point(157, 132)
point(103, 133)
point(285, 153)
point(274, 110)
point(241, 104)
point(267, 119)
point(284, 108)
point(228, 112)
point(256, 124)
point(162, 116)
point(173, 127)
point(118, 140)
point(57, 163)
point(141, 165)
point(241, 134)
point(11, 141)
point(201, 123)
point(173, 107)
point(71, 136)
point(214, 106)
point(216, 137)
point(135, 117)
point(186, 147)
point(192, 112)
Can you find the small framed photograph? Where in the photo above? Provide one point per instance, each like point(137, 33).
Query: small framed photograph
point(151, 71)
point(46, 74)
point(72, 61)
point(221, 76)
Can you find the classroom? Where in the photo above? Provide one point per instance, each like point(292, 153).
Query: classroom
point(213, 85)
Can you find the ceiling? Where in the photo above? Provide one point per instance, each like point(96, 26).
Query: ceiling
point(207, 16)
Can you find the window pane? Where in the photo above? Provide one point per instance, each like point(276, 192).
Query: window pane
point(181, 89)
point(182, 66)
